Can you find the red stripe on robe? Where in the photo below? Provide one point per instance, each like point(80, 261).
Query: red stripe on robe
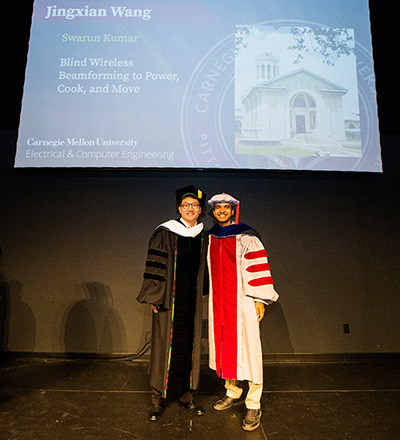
point(263, 281)
point(258, 267)
point(256, 254)
point(224, 282)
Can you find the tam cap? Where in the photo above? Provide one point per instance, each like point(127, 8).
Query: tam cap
point(226, 198)
point(190, 191)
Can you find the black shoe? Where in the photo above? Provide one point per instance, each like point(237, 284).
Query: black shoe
point(252, 419)
point(156, 411)
point(192, 406)
point(227, 402)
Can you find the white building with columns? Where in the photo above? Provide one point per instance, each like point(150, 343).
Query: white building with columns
point(298, 109)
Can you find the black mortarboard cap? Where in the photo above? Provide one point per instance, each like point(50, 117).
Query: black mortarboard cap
point(190, 191)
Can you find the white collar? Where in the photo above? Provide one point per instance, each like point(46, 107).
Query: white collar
point(182, 228)
point(186, 224)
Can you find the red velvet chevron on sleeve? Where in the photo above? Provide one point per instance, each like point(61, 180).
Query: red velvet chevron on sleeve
point(258, 281)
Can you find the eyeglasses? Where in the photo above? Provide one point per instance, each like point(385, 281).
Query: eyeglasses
point(194, 205)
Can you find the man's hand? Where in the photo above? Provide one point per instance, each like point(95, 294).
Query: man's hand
point(154, 308)
point(260, 309)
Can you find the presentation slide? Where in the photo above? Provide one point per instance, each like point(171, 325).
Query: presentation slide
point(202, 84)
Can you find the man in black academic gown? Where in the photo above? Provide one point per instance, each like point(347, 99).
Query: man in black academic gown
point(173, 285)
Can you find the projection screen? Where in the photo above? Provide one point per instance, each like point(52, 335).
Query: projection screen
point(204, 84)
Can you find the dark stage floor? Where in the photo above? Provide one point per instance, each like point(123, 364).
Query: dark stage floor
point(99, 399)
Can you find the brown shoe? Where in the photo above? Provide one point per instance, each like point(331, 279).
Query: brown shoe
point(195, 409)
point(156, 411)
point(227, 402)
point(252, 419)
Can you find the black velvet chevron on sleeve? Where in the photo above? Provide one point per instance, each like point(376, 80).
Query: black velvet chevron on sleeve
point(156, 265)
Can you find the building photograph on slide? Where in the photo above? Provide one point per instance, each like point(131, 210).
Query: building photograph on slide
point(301, 103)
point(199, 85)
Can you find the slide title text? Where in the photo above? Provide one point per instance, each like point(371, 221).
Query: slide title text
point(116, 11)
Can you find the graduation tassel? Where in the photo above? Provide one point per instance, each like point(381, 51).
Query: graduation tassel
point(237, 212)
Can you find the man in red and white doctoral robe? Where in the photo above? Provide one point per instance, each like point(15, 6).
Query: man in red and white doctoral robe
point(240, 285)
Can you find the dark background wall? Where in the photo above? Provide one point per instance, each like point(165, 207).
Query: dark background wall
point(73, 242)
